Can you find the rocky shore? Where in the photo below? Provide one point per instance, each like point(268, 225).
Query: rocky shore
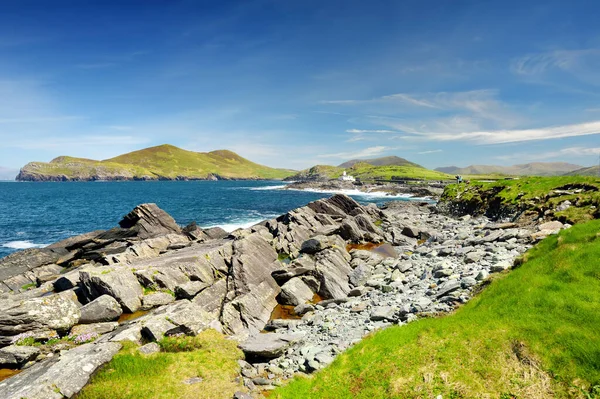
point(419, 190)
point(294, 291)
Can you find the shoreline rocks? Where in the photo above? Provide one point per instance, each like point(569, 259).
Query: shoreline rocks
point(189, 280)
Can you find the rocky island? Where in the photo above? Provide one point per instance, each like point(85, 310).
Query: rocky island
point(293, 291)
point(165, 162)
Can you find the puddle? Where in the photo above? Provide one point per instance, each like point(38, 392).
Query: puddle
point(384, 249)
point(316, 299)
point(7, 373)
point(284, 312)
point(131, 316)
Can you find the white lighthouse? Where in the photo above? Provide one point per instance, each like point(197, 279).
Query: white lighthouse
point(346, 177)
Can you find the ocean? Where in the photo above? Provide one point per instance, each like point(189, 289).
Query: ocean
point(38, 214)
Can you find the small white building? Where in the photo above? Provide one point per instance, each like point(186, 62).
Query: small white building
point(346, 177)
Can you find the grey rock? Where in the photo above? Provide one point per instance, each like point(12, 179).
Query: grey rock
point(8, 360)
point(241, 395)
point(59, 376)
point(269, 345)
point(149, 349)
point(102, 309)
point(447, 287)
point(360, 274)
point(54, 312)
point(302, 309)
point(118, 282)
point(193, 380)
point(482, 275)
point(22, 354)
point(147, 221)
point(295, 292)
point(383, 313)
point(156, 299)
point(97, 328)
point(190, 289)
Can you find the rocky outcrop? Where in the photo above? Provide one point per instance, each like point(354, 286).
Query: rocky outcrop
point(61, 376)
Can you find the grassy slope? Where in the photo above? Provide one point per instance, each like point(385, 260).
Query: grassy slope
point(533, 191)
point(367, 172)
point(533, 333)
point(131, 375)
point(164, 161)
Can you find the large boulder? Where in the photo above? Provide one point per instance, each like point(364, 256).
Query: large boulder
point(269, 346)
point(148, 220)
point(55, 312)
point(295, 292)
point(118, 282)
point(253, 288)
point(102, 309)
point(333, 271)
point(61, 376)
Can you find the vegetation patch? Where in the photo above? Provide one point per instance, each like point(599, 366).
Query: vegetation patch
point(131, 375)
point(532, 333)
point(539, 195)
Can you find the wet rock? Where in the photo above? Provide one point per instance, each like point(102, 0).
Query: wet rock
point(315, 244)
point(102, 309)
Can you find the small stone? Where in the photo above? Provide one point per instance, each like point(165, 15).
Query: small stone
point(383, 313)
point(193, 380)
point(241, 395)
point(149, 349)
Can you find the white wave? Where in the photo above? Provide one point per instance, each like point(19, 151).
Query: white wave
point(268, 188)
point(234, 225)
point(367, 194)
point(23, 245)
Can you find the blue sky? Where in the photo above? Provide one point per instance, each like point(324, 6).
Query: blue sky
point(298, 83)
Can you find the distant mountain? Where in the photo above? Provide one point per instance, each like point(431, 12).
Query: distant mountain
point(528, 169)
point(7, 173)
point(383, 161)
point(165, 162)
point(591, 171)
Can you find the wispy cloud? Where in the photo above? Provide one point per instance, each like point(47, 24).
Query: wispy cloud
point(510, 136)
point(359, 131)
point(34, 119)
point(77, 141)
point(534, 64)
point(570, 151)
point(365, 153)
point(429, 152)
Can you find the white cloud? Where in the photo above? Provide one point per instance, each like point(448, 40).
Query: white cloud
point(570, 151)
point(72, 142)
point(365, 153)
point(535, 64)
point(429, 152)
point(370, 131)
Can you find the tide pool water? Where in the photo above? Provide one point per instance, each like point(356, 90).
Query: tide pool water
point(38, 214)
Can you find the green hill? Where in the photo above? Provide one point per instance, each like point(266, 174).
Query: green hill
point(383, 161)
point(365, 172)
point(533, 333)
point(165, 162)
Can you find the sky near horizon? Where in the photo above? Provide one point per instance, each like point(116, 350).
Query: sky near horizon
point(297, 83)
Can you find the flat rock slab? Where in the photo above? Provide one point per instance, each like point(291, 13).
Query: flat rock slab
point(269, 345)
point(59, 377)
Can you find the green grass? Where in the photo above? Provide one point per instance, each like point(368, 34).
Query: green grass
point(532, 333)
point(532, 193)
point(161, 162)
point(131, 375)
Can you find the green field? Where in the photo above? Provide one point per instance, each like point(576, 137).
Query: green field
point(533, 333)
point(162, 162)
point(538, 194)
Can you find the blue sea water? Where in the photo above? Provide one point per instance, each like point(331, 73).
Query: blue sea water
point(38, 214)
